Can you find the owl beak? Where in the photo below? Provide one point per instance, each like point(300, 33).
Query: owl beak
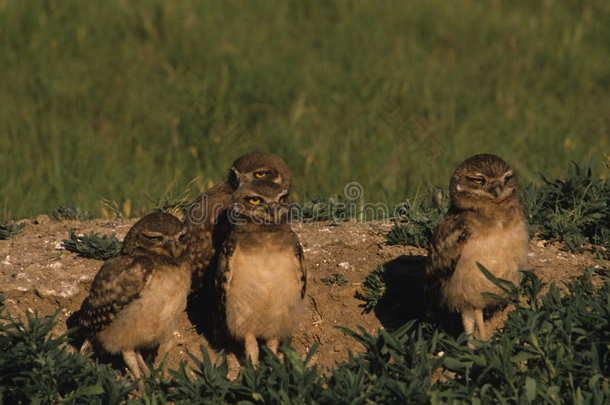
point(277, 211)
point(175, 249)
point(495, 188)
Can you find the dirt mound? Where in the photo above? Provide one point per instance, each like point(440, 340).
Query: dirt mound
point(39, 275)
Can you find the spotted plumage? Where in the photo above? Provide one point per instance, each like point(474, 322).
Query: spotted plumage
point(485, 224)
point(206, 217)
point(137, 296)
point(261, 279)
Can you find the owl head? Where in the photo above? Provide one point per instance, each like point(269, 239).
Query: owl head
point(259, 202)
point(159, 234)
point(482, 179)
point(259, 166)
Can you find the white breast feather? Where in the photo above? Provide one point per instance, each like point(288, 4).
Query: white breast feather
point(264, 296)
point(503, 251)
point(149, 320)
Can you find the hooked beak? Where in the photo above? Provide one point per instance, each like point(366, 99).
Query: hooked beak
point(496, 188)
point(175, 249)
point(277, 211)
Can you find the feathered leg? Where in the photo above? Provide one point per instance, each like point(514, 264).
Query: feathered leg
point(480, 324)
point(251, 348)
point(468, 320)
point(131, 359)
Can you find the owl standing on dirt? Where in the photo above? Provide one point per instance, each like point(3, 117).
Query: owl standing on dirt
point(136, 297)
point(261, 278)
point(485, 224)
point(206, 217)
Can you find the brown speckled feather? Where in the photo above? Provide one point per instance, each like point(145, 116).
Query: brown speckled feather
point(298, 252)
point(206, 219)
point(261, 280)
point(484, 225)
point(223, 277)
point(207, 229)
point(444, 252)
point(119, 282)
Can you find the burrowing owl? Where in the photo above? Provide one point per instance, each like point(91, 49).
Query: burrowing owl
point(206, 220)
point(137, 296)
point(261, 278)
point(485, 224)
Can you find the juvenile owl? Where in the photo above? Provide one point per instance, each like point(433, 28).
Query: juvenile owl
point(136, 297)
point(261, 279)
point(485, 224)
point(206, 217)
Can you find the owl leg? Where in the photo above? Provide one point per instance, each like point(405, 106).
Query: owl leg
point(251, 348)
point(468, 317)
point(131, 359)
point(273, 344)
point(480, 324)
point(142, 364)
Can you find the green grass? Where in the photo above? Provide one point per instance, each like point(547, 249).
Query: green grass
point(129, 100)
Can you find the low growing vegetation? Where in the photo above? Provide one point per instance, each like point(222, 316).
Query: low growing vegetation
point(552, 348)
point(69, 212)
point(8, 229)
point(94, 245)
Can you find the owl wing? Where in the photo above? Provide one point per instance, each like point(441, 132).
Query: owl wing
point(119, 282)
point(445, 251)
point(225, 273)
point(207, 229)
point(298, 252)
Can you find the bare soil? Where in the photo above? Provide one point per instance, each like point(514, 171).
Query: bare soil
point(39, 275)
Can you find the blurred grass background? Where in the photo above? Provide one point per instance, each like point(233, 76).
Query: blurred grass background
point(124, 100)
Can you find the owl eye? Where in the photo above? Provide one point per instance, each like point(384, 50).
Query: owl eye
point(154, 237)
point(282, 199)
point(254, 200)
point(507, 178)
point(260, 174)
point(477, 180)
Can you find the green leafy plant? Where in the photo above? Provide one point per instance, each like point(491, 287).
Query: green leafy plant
point(416, 218)
point(70, 212)
point(335, 279)
point(373, 288)
point(552, 348)
point(94, 245)
point(575, 210)
point(334, 208)
point(8, 229)
point(38, 368)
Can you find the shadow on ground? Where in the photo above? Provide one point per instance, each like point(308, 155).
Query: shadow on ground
point(404, 297)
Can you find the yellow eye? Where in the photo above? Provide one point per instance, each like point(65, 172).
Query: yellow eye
point(477, 180)
point(282, 200)
point(254, 200)
point(260, 175)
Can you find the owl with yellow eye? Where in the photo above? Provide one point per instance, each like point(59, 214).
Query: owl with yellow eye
point(206, 218)
point(260, 280)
